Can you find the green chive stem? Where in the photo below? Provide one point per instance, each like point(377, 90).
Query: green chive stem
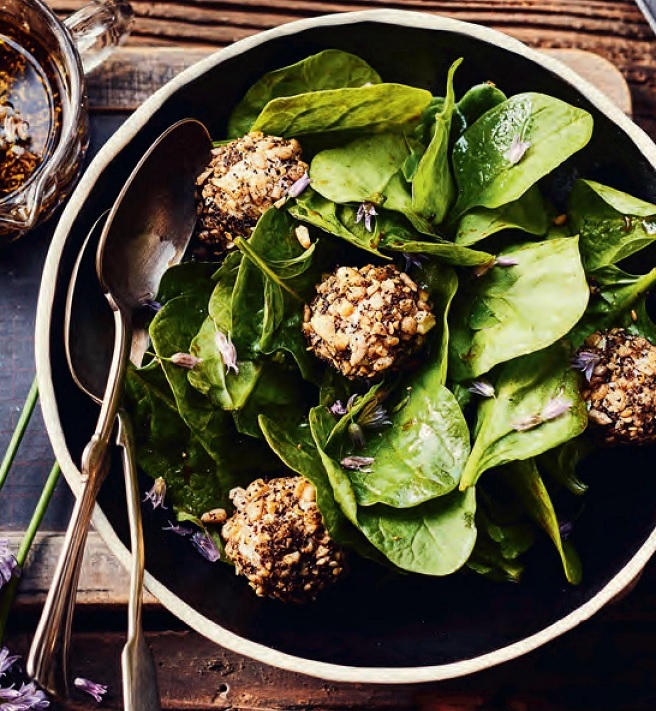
point(9, 592)
point(21, 427)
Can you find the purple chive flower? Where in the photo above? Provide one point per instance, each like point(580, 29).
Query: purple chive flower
point(556, 407)
point(360, 464)
point(337, 409)
point(8, 564)
point(27, 697)
point(373, 416)
point(178, 529)
point(482, 388)
point(517, 150)
point(91, 688)
point(157, 494)
point(366, 212)
point(413, 260)
point(299, 186)
point(586, 362)
point(565, 529)
point(505, 262)
point(205, 545)
point(227, 350)
point(186, 360)
point(152, 305)
point(7, 661)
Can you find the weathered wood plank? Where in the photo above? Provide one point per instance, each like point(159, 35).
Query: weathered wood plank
point(132, 74)
point(103, 579)
point(614, 29)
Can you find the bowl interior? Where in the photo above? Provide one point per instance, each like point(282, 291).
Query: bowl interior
point(376, 618)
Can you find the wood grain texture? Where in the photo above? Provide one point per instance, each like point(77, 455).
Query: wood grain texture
point(614, 29)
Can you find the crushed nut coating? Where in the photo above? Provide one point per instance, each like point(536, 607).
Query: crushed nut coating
point(621, 394)
point(277, 539)
point(243, 180)
point(368, 320)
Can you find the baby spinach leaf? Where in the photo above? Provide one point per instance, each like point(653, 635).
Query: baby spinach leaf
point(614, 294)
point(330, 69)
point(560, 463)
point(435, 538)
point(273, 279)
point(433, 189)
point(523, 478)
point(524, 388)
point(368, 169)
point(395, 235)
point(514, 310)
point(314, 209)
point(185, 279)
point(486, 172)
point(611, 225)
point(421, 455)
point(475, 102)
point(528, 213)
point(350, 109)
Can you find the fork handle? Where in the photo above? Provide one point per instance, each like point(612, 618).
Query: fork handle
point(47, 662)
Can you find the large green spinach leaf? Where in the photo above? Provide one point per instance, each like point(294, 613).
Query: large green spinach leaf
point(611, 225)
point(528, 213)
point(511, 146)
point(339, 110)
point(523, 478)
point(513, 425)
point(330, 69)
point(433, 189)
point(514, 310)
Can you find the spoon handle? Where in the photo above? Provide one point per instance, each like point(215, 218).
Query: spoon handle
point(140, 690)
point(47, 661)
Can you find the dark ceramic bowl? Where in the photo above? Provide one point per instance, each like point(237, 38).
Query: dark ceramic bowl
point(375, 627)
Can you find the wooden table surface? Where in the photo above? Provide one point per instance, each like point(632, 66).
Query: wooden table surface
point(607, 663)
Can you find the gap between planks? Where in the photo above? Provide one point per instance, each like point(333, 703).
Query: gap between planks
point(132, 74)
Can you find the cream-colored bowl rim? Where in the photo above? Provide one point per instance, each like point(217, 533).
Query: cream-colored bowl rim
point(206, 627)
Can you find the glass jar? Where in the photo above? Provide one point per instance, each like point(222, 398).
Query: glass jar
point(62, 52)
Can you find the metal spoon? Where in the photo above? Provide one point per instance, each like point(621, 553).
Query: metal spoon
point(147, 231)
point(88, 324)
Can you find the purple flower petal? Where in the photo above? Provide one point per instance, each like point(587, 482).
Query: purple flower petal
point(413, 260)
point(7, 661)
point(228, 351)
point(299, 186)
point(205, 545)
point(556, 407)
point(186, 360)
point(527, 423)
point(8, 564)
point(178, 529)
point(505, 262)
point(482, 388)
point(517, 150)
point(152, 305)
point(157, 494)
point(337, 409)
point(366, 212)
point(91, 688)
point(586, 362)
point(27, 697)
point(360, 464)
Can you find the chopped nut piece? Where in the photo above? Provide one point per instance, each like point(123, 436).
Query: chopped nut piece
point(243, 180)
point(277, 539)
point(214, 516)
point(621, 394)
point(369, 320)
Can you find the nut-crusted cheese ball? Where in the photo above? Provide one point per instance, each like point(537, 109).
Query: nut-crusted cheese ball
point(369, 320)
point(621, 392)
point(243, 180)
point(276, 538)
